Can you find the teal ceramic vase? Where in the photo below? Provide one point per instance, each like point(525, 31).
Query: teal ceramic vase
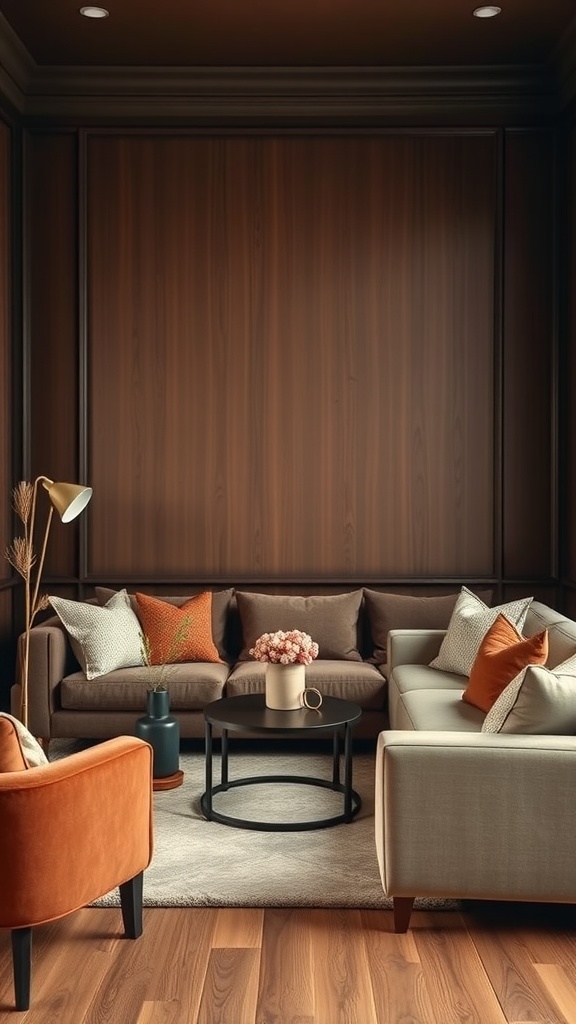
point(162, 731)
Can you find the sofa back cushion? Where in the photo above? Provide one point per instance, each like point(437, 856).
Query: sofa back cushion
point(406, 611)
point(331, 620)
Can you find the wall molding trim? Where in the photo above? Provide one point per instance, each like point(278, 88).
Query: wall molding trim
point(284, 95)
point(265, 95)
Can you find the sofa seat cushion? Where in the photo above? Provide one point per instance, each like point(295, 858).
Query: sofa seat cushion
point(350, 680)
point(191, 686)
point(404, 678)
point(437, 710)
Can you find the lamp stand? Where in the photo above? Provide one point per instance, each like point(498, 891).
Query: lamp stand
point(69, 500)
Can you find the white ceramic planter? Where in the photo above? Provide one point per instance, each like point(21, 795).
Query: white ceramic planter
point(285, 685)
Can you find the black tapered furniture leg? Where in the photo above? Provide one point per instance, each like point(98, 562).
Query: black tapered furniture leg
point(131, 903)
point(22, 960)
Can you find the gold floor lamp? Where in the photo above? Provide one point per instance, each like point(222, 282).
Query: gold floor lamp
point(69, 500)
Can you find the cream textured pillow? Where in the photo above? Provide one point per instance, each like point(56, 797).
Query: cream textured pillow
point(103, 639)
point(539, 700)
point(469, 623)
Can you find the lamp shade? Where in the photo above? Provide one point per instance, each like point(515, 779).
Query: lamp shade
point(69, 500)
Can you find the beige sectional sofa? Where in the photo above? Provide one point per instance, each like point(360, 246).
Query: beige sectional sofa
point(466, 813)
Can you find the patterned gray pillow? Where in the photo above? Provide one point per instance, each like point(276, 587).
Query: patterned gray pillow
point(469, 623)
point(539, 700)
point(103, 639)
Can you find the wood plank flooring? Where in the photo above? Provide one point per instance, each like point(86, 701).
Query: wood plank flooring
point(488, 964)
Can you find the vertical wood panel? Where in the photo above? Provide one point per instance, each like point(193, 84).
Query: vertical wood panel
point(528, 407)
point(53, 291)
point(291, 355)
point(6, 402)
point(569, 367)
point(9, 409)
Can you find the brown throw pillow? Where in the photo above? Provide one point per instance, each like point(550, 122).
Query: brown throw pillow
point(503, 653)
point(405, 611)
point(332, 621)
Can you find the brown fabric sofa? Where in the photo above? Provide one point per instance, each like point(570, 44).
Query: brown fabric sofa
point(64, 703)
point(351, 629)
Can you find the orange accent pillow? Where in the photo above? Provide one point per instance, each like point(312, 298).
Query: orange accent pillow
point(11, 757)
point(175, 633)
point(503, 653)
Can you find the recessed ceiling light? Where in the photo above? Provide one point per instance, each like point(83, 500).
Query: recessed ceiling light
point(487, 12)
point(94, 12)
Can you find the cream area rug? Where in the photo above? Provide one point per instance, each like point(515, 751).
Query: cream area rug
point(198, 863)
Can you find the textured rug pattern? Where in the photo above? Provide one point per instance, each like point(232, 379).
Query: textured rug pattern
point(198, 863)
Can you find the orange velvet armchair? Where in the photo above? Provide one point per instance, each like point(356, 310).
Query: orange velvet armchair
point(71, 831)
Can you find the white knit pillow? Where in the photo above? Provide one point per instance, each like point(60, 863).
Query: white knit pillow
point(539, 700)
point(469, 623)
point(103, 639)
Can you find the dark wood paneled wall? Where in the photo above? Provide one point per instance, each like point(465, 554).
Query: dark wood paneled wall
point(313, 357)
point(568, 368)
point(291, 395)
point(529, 365)
point(9, 408)
point(52, 276)
point(5, 347)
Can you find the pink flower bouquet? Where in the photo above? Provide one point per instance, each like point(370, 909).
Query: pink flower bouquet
point(291, 648)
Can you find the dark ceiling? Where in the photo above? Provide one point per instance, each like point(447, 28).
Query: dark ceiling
point(267, 33)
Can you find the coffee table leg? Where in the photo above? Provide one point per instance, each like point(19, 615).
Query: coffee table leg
point(224, 764)
point(336, 758)
point(208, 794)
point(348, 772)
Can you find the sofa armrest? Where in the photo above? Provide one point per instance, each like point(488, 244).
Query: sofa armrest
point(413, 646)
point(475, 815)
point(51, 658)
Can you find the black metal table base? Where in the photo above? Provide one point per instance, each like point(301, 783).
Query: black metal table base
point(352, 800)
point(281, 826)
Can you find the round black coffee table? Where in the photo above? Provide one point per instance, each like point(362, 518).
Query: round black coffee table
point(248, 713)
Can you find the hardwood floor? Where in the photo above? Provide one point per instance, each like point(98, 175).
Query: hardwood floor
point(489, 964)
